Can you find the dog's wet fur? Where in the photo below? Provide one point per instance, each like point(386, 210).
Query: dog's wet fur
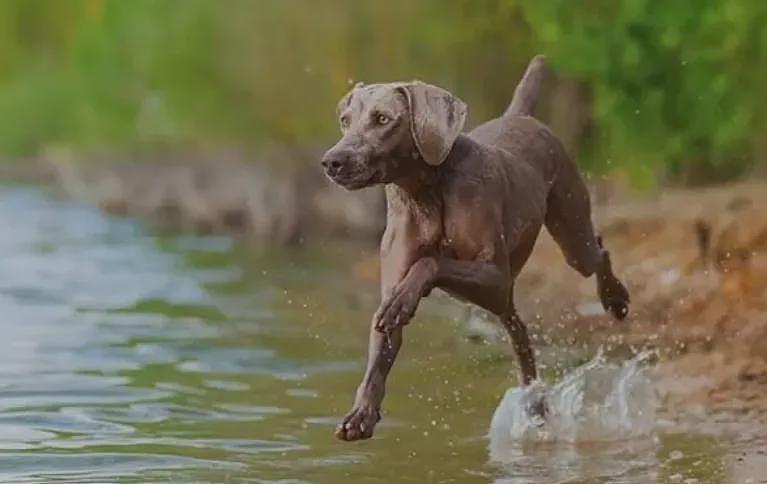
point(463, 212)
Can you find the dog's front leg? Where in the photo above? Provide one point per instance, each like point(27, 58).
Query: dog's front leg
point(400, 303)
point(365, 413)
point(361, 420)
point(402, 288)
point(481, 283)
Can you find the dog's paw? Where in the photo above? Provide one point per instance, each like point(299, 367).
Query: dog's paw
point(538, 411)
point(397, 309)
point(358, 423)
point(614, 296)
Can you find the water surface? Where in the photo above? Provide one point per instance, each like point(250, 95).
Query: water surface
point(127, 356)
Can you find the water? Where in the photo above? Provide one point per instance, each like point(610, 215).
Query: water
point(132, 357)
point(596, 402)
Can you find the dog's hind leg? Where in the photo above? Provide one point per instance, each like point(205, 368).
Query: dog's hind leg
point(514, 326)
point(521, 341)
point(612, 292)
point(517, 330)
point(568, 220)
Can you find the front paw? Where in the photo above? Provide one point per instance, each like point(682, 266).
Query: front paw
point(396, 310)
point(358, 423)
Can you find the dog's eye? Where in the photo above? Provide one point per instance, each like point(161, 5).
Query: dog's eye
point(382, 119)
point(344, 121)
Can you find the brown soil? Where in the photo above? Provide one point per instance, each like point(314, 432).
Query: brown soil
point(697, 265)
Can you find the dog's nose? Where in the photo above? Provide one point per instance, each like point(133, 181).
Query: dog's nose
point(330, 164)
point(333, 161)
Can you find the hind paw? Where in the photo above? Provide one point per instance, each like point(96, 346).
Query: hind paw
point(614, 296)
point(538, 410)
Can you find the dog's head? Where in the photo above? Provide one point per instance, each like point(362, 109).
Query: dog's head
point(389, 131)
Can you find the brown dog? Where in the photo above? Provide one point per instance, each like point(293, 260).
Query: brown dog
point(463, 212)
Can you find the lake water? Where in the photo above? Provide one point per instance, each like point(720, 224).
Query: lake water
point(127, 356)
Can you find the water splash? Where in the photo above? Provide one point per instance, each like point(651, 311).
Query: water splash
point(596, 402)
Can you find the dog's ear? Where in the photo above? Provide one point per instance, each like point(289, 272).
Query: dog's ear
point(436, 119)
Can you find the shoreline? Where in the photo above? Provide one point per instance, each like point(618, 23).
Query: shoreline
point(280, 203)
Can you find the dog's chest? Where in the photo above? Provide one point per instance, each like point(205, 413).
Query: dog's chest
point(462, 228)
point(461, 242)
point(468, 229)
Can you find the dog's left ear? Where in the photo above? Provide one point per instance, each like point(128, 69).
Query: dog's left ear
point(436, 119)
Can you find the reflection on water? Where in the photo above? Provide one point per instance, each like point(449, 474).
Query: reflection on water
point(131, 357)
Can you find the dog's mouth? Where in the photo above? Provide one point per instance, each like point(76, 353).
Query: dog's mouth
point(355, 181)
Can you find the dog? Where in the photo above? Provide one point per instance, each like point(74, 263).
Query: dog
point(463, 212)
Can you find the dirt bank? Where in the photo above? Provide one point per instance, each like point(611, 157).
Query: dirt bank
point(696, 264)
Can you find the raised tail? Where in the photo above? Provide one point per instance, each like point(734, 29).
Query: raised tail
point(526, 94)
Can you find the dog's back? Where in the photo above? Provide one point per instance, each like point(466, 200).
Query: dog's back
point(521, 135)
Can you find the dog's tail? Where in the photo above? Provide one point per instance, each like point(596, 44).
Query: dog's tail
point(526, 94)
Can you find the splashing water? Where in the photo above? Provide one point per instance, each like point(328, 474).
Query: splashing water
point(596, 402)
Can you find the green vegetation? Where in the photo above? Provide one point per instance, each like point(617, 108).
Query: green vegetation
point(671, 88)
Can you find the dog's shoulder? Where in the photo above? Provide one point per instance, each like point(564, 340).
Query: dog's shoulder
point(469, 163)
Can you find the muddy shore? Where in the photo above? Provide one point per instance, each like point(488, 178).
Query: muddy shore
point(696, 264)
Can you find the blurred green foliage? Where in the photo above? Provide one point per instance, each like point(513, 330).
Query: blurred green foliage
point(673, 87)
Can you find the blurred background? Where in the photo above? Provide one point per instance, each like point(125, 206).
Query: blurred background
point(650, 92)
point(185, 297)
point(664, 92)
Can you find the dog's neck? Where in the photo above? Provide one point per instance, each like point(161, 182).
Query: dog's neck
point(414, 197)
point(419, 193)
point(419, 180)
